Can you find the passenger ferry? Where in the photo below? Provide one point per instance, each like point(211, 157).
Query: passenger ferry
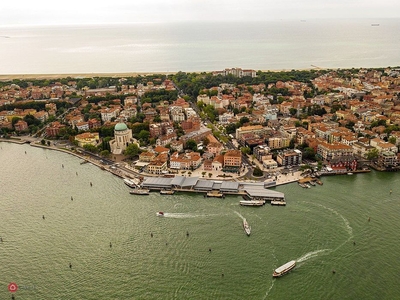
point(282, 270)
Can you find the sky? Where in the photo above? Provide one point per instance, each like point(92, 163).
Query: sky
point(46, 12)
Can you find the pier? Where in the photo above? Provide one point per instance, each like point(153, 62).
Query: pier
point(257, 191)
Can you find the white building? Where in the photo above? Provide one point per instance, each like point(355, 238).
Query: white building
point(122, 138)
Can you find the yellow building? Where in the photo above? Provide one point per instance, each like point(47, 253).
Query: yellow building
point(87, 138)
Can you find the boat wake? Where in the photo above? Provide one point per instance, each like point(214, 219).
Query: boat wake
point(177, 205)
point(310, 255)
point(349, 229)
point(239, 215)
point(269, 290)
point(273, 279)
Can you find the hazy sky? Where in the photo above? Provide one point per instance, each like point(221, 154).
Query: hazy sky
point(31, 12)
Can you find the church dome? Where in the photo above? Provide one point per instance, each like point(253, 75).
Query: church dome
point(120, 127)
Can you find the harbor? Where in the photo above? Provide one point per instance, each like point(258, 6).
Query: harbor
point(316, 229)
point(215, 188)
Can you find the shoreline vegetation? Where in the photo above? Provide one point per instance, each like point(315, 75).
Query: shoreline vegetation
point(8, 77)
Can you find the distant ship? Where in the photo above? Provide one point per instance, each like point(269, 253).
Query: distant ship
point(375, 24)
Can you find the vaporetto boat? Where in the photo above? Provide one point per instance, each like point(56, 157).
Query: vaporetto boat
point(282, 270)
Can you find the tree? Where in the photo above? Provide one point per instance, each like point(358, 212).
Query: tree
point(90, 148)
point(257, 172)
point(291, 143)
point(292, 111)
point(309, 153)
point(105, 153)
point(230, 128)
point(392, 140)
point(14, 120)
point(144, 135)
point(372, 154)
point(132, 150)
point(191, 144)
point(205, 141)
point(244, 120)
point(245, 150)
point(157, 119)
point(350, 125)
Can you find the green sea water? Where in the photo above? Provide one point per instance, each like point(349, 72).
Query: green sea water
point(349, 225)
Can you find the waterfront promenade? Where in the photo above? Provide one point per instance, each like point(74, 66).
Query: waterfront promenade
point(125, 170)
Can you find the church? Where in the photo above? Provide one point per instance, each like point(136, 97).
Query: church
point(122, 138)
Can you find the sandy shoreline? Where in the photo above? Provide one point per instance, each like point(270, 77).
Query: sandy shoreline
point(8, 77)
point(77, 75)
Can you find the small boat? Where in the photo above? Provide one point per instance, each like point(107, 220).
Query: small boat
point(160, 214)
point(320, 182)
point(215, 194)
point(139, 191)
point(349, 173)
point(282, 270)
point(246, 227)
point(167, 192)
point(275, 202)
point(313, 183)
point(130, 182)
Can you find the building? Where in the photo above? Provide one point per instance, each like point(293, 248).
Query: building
point(278, 142)
point(197, 136)
point(122, 137)
point(344, 163)
point(232, 160)
point(82, 126)
point(107, 114)
point(87, 138)
point(147, 156)
point(328, 151)
point(289, 158)
point(237, 72)
point(54, 129)
point(185, 161)
point(255, 129)
point(388, 160)
point(270, 164)
point(21, 126)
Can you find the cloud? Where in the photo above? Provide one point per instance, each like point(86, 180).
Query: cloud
point(123, 11)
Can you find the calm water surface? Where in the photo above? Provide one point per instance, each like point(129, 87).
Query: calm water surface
point(318, 228)
point(196, 46)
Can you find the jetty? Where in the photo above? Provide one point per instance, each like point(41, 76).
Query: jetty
point(257, 191)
